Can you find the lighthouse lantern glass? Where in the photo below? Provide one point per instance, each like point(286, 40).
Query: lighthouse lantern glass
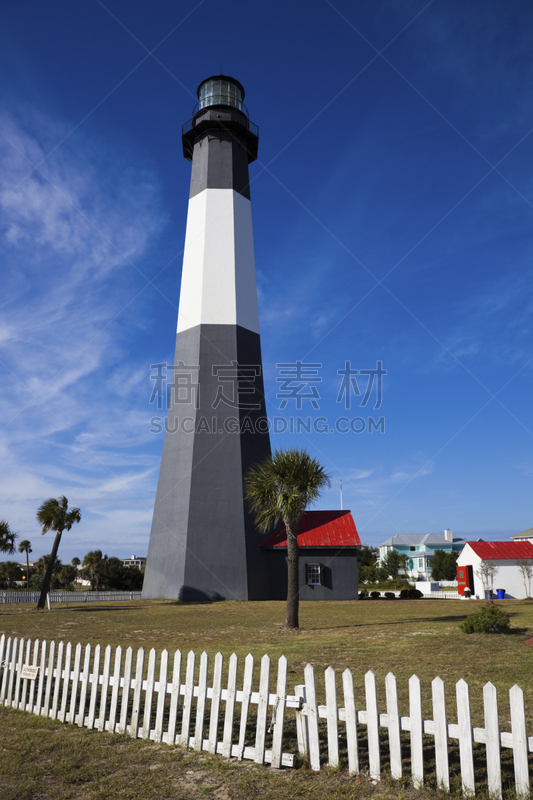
point(220, 93)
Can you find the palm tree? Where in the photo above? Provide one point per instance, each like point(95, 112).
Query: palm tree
point(54, 515)
point(7, 538)
point(281, 488)
point(93, 565)
point(25, 547)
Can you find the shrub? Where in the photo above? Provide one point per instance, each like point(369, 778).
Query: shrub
point(411, 594)
point(390, 595)
point(375, 595)
point(489, 619)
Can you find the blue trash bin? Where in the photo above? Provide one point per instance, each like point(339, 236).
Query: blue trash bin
point(501, 594)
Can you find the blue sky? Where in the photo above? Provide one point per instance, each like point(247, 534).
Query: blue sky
point(393, 208)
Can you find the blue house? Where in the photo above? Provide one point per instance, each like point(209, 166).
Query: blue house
point(420, 549)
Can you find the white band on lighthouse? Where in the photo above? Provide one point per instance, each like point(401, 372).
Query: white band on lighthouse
point(218, 284)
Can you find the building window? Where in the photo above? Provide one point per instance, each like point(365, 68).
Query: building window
point(313, 574)
point(412, 549)
point(420, 563)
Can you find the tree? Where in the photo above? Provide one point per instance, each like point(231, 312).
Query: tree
point(367, 563)
point(10, 571)
point(443, 567)
point(392, 563)
point(119, 577)
point(525, 566)
point(93, 566)
point(25, 547)
point(7, 538)
point(280, 488)
point(66, 575)
point(54, 515)
point(486, 572)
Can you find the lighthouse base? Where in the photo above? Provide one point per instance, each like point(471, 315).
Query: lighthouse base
point(203, 542)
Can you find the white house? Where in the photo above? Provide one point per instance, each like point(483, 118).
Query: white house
point(503, 555)
point(524, 536)
point(420, 550)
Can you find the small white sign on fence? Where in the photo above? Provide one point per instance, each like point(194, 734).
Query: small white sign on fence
point(29, 672)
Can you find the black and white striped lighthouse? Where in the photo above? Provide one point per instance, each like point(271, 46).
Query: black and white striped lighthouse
point(203, 543)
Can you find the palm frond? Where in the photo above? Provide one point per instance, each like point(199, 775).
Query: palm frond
point(282, 486)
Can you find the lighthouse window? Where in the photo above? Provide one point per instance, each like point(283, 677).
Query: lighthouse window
point(221, 93)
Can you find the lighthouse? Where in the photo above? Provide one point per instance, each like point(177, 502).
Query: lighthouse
point(203, 542)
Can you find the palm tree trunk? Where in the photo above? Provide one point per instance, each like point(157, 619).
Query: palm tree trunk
point(48, 574)
point(293, 591)
point(28, 569)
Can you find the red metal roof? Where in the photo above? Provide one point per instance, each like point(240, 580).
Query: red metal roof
point(502, 550)
point(320, 529)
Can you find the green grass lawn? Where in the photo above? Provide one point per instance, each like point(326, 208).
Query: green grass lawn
point(406, 637)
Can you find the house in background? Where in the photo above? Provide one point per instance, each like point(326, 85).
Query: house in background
point(420, 549)
point(524, 536)
point(134, 561)
point(504, 556)
point(328, 542)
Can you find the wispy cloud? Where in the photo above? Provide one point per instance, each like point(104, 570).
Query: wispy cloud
point(72, 406)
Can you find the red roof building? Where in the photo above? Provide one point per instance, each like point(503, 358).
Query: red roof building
point(503, 551)
point(329, 544)
point(509, 580)
point(320, 529)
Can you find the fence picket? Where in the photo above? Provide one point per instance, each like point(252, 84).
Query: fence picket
point(393, 713)
point(245, 705)
point(302, 730)
point(84, 685)
point(49, 678)
point(331, 717)
point(215, 703)
point(230, 706)
point(58, 671)
point(171, 737)
point(65, 683)
point(518, 728)
point(2, 654)
point(33, 683)
point(492, 732)
point(18, 672)
point(149, 694)
point(23, 682)
point(200, 706)
point(126, 687)
point(42, 675)
point(312, 718)
point(71, 716)
point(95, 680)
point(372, 725)
point(441, 733)
point(7, 671)
point(116, 688)
point(417, 729)
point(466, 753)
point(21, 701)
point(161, 696)
point(278, 714)
point(187, 702)
point(137, 692)
point(262, 710)
point(351, 722)
point(105, 688)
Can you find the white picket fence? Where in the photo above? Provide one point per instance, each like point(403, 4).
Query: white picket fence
point(70, 684)
point(68, 597)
